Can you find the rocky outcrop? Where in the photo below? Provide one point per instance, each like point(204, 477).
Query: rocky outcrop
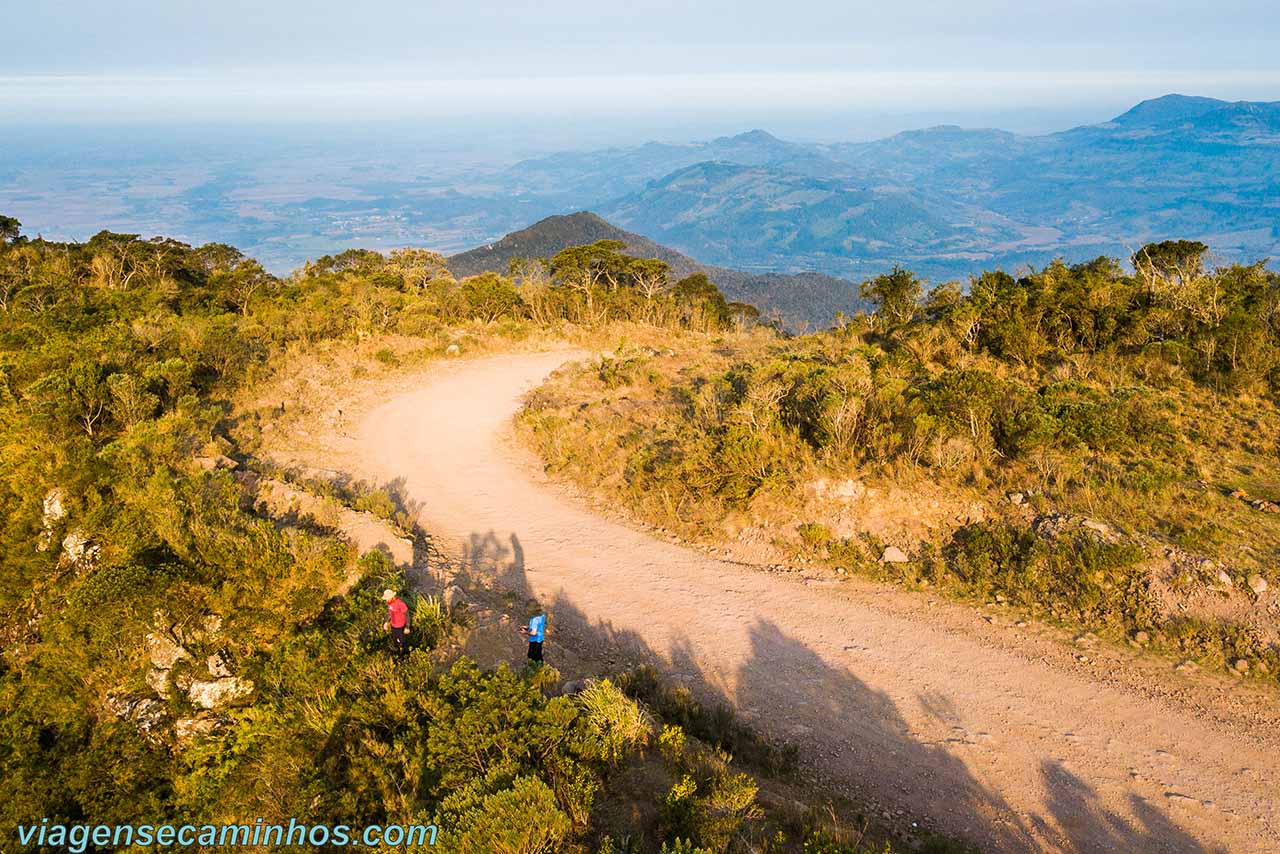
point(220, 693)
point(164, 652)
point(149, 715)
point(169, 646)
point(78, 551)
point(1056, 526)
point(847, 490)
point(54, 511)
point(216, 461)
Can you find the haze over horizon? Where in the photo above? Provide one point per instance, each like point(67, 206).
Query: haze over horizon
point(571, 72)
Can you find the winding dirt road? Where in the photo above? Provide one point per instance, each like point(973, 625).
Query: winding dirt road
point(888, 699)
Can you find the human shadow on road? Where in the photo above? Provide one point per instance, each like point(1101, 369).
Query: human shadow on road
point(850, 735)
point(1074, 804)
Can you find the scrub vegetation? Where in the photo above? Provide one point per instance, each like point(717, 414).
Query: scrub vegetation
point(173, 652)
point(1094, 444)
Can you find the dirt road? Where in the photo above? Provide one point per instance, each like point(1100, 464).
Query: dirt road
point(988, 738)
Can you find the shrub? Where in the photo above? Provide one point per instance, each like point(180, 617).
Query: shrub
point(523, 819)
point(814, 535)
point(614, 724)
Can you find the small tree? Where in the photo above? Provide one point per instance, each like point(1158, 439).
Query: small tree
point(896, 296)
point(10, 230)
point(490, 296)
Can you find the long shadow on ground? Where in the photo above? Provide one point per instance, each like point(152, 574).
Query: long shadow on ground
point(875, 745)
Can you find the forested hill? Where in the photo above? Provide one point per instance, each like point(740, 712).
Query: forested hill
point(800, 299)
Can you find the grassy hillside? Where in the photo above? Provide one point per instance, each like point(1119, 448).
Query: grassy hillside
point(1092, 446)
point(177, 648)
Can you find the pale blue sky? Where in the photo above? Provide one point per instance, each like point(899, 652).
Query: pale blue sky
point(801, 63)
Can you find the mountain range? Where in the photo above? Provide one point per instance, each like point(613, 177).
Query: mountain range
point(787, 225)
point(944, 201)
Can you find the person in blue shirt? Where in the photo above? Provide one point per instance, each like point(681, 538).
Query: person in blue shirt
point(535, 631)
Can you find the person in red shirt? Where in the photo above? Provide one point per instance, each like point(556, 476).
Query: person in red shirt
point(397, 622)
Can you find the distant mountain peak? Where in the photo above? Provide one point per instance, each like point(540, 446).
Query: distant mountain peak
point(755, 136)
point(1169, 108)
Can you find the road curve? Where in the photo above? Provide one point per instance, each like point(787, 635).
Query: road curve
point(1013, 752)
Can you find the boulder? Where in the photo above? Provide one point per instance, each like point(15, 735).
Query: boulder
point(893, 554)
point(54, 507)
point(1257, 584)
point(454, 597)
point(54, 511)
point(218, 666)
point(220, 693)
point(1017, 498)
point(217, 461)
point(573, 686)
point(164, 651)
point(452, 350)
point(147, 714)
point(79, 551)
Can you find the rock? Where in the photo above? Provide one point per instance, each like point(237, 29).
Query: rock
point(54, 508)
point(54, 511)
point(1141, 638)
point(146, 713)
point(164, 651)
point(1187, 666)
point(1241, 665)
point(893, 554)
point(202, 724)
point(452, 350)
point(158, 680)
point(1017, 498)
point(217, 461)
point(1099, 527)
point(218, 665)
point(1225, 579)
point(573, 686)
point(79, 551)
point(453, 597)
point(1265, 506)
point(846, 491)
point(218, 693)
point(1257, 584)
